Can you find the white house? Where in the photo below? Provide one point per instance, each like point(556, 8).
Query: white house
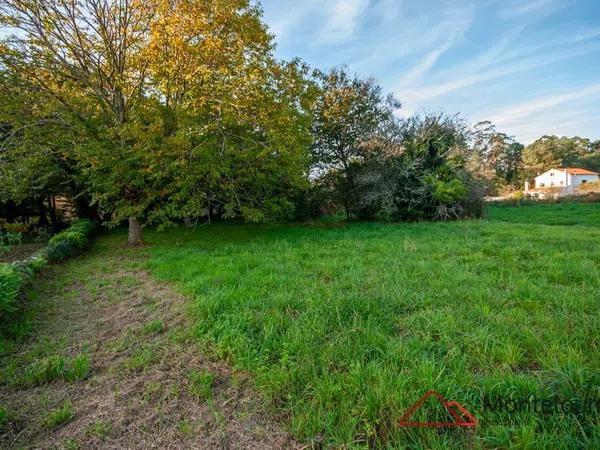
point(568, 178)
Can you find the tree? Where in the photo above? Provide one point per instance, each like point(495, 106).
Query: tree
point(35, 160)
point(348, 112)
point(553, 151)
point(416, 170)
point(86, 56)
point(235, 119)
point(179, 107)
point(496, 156)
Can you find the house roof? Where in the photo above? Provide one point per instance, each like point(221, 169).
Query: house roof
point(577, 171)
point(570, 171)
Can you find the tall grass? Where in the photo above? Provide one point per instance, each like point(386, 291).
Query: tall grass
point(345, 328)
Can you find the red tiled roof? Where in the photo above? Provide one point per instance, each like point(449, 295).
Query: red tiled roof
point(577, 171)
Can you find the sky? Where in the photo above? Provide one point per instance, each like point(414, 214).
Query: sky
point(532, 67)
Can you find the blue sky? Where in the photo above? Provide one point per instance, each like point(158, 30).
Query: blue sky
point(532, 67)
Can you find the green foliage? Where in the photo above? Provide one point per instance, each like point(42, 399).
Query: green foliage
point(416, 170)
point(188, 140)
point(378, 167)
point(70, 242)
point(154, 327)
point(201, 384)
point(11, 282)
point(7, 240)
point(553, 152)
point(60, 416)
point(141, 359)
point(10, 239)
point(495, 158)
point(448, 192)
point(14, 276)
point(100, 428)
point(79, 368)
point(518, 196)
point(348, 112)
point(36, 144)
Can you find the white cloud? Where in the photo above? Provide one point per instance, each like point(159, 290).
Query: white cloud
point(522, 8)
point(425, 65)
point(517, 112)
point(443, 32)
point(431, 58)
point(573, 121)
point(282, 18)
point(569, 112)
point(343, 20)
point(429, 92)
point(494, 53)
point(387, 10)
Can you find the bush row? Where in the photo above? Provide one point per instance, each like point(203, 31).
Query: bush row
point(70, 242)
point(61, 247)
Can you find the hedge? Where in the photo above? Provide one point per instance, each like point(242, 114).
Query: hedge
point(61, 247)
point(70, 242)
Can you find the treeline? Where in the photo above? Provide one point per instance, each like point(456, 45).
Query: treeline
point(504, 164)
point(157, 112)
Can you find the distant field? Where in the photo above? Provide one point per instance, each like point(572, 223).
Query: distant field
point(549, 214)
point(344, 328)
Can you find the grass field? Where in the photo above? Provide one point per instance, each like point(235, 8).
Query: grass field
point(337, 328)
point(343, 328)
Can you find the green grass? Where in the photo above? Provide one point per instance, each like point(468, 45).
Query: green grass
point(143, 357)
point(60, 416)
point(3, 418)
point(344, 328)
point(201, 384)
point(34, 368)
point(567, 213)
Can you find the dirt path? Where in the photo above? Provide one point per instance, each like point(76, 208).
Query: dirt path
point(112, 364)
point(20, 252)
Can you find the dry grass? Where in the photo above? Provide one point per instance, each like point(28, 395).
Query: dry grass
point(139, 392)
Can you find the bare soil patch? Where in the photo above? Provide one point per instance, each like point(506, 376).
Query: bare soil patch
point(140, 391)
point(20, 252)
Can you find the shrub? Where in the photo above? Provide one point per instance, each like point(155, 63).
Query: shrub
point(518, 196)
point(70, 242)
point(414, 170)
point(589, 187)
point(10, 239)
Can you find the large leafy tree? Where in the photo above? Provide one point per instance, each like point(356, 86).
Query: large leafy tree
point(234, 118)
point(348, 112)
point(86, 55)
point(179, 105)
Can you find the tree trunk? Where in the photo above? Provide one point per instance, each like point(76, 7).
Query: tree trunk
point(135, 232)
point(53, 218)
point(43, 222)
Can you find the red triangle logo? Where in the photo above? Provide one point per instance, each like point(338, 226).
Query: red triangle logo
point(462, 417)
